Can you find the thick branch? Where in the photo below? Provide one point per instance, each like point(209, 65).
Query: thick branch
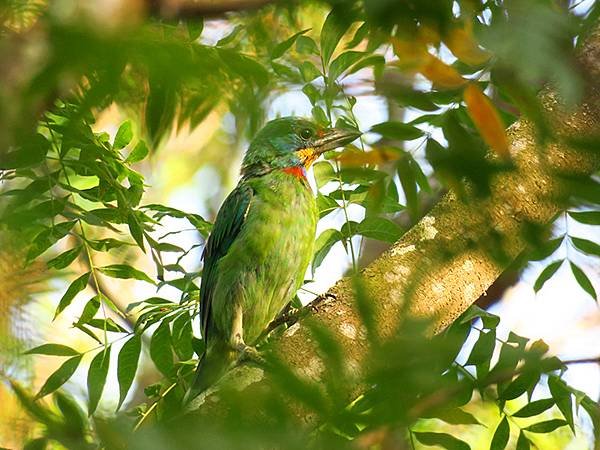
point(451, 257)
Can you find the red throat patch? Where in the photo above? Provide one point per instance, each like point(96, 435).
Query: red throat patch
point(297, 171)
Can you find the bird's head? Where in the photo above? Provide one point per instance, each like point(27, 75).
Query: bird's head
point(291, 143)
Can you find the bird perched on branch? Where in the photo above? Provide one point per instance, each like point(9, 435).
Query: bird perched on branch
point(261, 242)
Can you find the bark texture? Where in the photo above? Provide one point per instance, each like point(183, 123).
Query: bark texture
point(450, 258)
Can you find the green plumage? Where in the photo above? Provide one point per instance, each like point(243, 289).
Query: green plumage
point(261, 244)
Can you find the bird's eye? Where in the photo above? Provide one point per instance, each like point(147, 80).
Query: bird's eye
point(306, 133)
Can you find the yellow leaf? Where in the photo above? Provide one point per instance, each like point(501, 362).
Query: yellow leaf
point(412, 54)
point(462, 44)
point(486, 119)
point(441, 74)
point(354, 157)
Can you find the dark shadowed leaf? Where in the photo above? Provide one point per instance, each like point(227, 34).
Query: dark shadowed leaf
point(282, 47)
point(442, 439)
point(483, 348)
point(546, 426)
point(65, 258)
point(523, 443)
point(546, 274)
point(535, 408)
point(501, 435)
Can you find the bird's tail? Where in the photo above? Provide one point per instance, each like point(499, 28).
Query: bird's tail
point(213, 364)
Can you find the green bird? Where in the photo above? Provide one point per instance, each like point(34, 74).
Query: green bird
point(261, 243)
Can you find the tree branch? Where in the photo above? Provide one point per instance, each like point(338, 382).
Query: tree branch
point(451, 257)
point(191, 9)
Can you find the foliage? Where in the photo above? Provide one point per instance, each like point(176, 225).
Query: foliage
point(77, 196)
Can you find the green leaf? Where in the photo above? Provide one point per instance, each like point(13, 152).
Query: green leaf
point(546, 249)
point(182, 335)
point(324, 173)
point(523, 443)
point(397, 130)
point(52, 349)
point(74, 288)
point(139, 152)
point(501, 435)
point(123, 136)
point(546, 426)
point(96, 378)
point(457, 416)
point(483, 348)
point(589, 247)
point(127, 364)
point(586, 217)
point(489, 320)
point(375, 61)
point(323, 244)
point(583, 280)
point(308, 72)
point(47, 238)
point(135, 230)
point(326, 205)
point(535, 408)
point(306, 46)
point(230, 37)
point(89, 310)
point(65, 258)
point(31, 153)
point(562, 395)
point(520, 385)
point(334, 28)
point(60, 376)
point(379, 228)
point(442, 439)
point(343, 62)
point(319, 116)
point(409, 185)
point(546, 274)
point(282, 47)
point(125, 271)
point(160, 348)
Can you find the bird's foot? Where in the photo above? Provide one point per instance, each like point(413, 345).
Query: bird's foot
point(248, 354)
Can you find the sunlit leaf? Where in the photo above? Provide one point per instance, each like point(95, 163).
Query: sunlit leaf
point(486, 119)
point(127, 364)
point(125, 271)
point(74, 288)
point(123, 136)
point(96, 378)
point(52, 349)
point(461, 42)
point(323, 244)
point(160, 348)
point(60, 376)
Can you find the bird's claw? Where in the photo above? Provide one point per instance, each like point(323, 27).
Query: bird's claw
point(248, 354)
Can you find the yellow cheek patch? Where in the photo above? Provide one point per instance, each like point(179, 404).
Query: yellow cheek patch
point(307, 156)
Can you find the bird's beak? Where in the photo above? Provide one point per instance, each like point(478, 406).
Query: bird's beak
point(334, 138)
point(326, 140)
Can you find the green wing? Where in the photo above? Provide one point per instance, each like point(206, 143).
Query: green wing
point(229, 222)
